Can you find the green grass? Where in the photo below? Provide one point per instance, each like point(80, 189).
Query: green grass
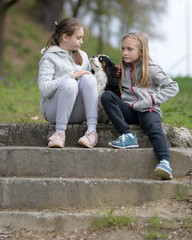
point(110, 219)
point(20, 99)
point(178, 111)
point(186, 223)
point(155, 235)
point(183, 193)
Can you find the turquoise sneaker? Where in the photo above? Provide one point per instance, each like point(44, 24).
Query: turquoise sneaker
point(126, 140)
point(163, 170)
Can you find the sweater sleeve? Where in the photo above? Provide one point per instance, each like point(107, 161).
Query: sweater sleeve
point(47, 82)
point(168, 87)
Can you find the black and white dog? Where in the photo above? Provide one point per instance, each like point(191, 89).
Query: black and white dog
point(106, 74)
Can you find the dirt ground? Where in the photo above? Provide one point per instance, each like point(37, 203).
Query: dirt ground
point(166, 219)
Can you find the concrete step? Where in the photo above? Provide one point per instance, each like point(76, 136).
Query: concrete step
point(33, 193)
point(47, 221)
point(73, 220)
point(88, 163)
point(38, 134)
point(34, 178)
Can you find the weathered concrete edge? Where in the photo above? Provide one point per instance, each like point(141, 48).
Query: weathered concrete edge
point(57, 222)
point(30, 193)
point(17, 161)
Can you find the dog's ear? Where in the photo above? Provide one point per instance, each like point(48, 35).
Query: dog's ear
point(111, 72)
point(108, 66)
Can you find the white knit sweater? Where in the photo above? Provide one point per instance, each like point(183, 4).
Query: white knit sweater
point(54, 67)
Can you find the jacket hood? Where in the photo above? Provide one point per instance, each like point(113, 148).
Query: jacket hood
point(53, 49)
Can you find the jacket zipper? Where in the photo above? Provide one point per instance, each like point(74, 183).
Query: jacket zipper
point(152, 103)
point(131, 72)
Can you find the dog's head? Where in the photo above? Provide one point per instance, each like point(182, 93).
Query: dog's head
point(102, 63)
point(104, 68)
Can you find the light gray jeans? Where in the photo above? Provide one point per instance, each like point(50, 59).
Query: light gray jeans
point(75, 101)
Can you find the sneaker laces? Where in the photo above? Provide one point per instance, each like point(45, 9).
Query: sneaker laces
point(90, 133)
point(123, 138)
point(58, 134)
point(165, 163)
point(90, 139)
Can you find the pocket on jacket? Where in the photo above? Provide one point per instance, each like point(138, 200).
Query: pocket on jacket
point(144, 101)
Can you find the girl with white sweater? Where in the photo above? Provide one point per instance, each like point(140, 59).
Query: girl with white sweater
point(68, 89)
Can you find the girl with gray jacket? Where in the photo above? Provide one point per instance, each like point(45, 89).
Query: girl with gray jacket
point(68, 89)
point(144, 87)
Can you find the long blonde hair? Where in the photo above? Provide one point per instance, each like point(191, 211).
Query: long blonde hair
point(68, 26)
point(143, 78)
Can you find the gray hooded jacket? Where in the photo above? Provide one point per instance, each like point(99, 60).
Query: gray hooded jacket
point(54, 67)
point(140, 99)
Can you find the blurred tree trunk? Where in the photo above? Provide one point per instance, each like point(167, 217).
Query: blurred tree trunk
point(48, 11)
point(4, 6)
point(53, 13)
point(101, 10)
point(76, 7)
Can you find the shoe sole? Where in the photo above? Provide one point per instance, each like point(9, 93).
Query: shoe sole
point(85, 145)
point(163, 174)
point(56, 146)
point(130, 146)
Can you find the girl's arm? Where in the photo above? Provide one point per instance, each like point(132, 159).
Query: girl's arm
point(168, 87)
point(47, 82)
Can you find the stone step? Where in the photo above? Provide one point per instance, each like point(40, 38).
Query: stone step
point(72, 221)
point(46, 221)
point(39, 193)
point(88, 163)
point(37, 135)
point(59, 220)
point(34, 177)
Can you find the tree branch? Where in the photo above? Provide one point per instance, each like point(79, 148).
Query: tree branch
point(9, 4)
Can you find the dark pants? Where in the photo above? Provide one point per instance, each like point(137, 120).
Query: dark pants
point(121, 115)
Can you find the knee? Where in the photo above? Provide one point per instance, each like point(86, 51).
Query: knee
point(105, 97)
point(89, 80)
point(154, 129)
point(69, 86)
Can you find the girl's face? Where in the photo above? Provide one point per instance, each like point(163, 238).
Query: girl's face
point(74, 42)
point(130, 50)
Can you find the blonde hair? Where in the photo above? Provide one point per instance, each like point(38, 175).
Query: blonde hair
point(143, 78)
point(68, 26)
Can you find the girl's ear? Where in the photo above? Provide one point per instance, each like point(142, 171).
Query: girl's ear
point(65, 37)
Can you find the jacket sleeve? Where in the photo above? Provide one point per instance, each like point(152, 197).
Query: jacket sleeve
point(47, 82)
point(167, 87)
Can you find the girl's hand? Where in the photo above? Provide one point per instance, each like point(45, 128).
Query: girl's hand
point(118, 71)
point(81, 73)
